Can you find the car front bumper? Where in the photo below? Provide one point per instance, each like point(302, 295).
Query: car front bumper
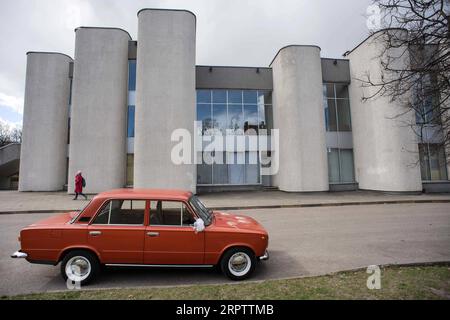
point(19, 255)
point(265, 256)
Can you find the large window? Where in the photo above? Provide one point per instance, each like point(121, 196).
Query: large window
point(433, 163)
point(337, 107)
point(236, 112)
point(339, 133)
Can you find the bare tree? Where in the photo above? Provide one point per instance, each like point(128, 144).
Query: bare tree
point(8, 135)
point(422, 84)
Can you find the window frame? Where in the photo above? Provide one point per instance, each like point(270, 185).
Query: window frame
point(108, 201)
point(186, 204)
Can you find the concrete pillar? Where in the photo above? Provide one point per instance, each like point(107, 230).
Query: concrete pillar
point(165, 97)
point(385, 147)
point(298, 114)
point(99, 108)
point(45, 122)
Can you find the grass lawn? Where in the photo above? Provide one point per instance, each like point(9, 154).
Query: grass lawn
point(426, 282)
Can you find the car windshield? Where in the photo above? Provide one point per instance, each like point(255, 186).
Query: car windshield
point(201, 210)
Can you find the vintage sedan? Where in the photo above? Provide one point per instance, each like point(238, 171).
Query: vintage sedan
point(131, 227)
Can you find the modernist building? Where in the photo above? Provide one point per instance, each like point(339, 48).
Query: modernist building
point(111, 111)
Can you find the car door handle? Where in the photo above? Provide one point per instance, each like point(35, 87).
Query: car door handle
point(95, 233)
point(153, 234)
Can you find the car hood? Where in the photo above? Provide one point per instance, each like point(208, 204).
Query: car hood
point(58, 219)
point(236, 221)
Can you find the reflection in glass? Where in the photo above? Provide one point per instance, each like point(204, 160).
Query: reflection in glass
point(131, 75)
point(130, 122)
point(235, 119)
point(203, 96)
point(250, 96)
point(219, 96)
point(330, 114)
point(328, 90)
point(341, 91)
point(233, 110)
point(220, 118)
point(343, 115)
point(204, 115)
point(251, 118)
point(235, 96)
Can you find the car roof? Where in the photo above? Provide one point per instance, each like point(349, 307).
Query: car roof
point(163, 194)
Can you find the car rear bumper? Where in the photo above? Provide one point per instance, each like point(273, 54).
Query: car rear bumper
point(19, 255)
point(265, 256)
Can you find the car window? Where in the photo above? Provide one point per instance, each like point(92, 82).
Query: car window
point(127, 212)
point(170, 213)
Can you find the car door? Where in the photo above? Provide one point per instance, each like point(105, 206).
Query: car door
point(170, 238)
point(117, 231)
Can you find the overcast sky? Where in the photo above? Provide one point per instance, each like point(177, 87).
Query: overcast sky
point(229, 32)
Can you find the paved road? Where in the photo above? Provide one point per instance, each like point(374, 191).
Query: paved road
point(303, 242)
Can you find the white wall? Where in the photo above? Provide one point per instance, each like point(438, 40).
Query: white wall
point(385, 147)
point(165, 97)
point(298, 114)
point(43, 160)
point(99, 109)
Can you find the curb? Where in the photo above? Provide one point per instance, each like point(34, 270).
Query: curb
point(281, 206)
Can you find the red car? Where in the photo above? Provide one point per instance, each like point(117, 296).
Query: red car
point(131, 227)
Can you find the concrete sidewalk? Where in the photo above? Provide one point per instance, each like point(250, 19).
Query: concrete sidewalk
point(44, 202)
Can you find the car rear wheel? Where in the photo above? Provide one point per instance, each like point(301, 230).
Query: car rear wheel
point(238, 263)
point(80, 267)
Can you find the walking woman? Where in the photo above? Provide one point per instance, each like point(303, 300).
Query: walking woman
point(79, 184)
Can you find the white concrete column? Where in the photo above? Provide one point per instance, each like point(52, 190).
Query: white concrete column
point(298, 114)
point(165, 97)
point(99, 108)
point(385, 147)
point(43, 160)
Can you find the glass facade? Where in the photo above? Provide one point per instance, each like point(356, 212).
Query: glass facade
point(235, 113)
point(338, 126)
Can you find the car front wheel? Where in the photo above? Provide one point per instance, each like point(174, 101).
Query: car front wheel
point(80, 267)
point(238, 263)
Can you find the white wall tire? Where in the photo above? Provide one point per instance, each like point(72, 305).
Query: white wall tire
point(238, 263)
point(80, 266)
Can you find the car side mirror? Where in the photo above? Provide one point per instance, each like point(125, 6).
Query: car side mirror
point(199, 225)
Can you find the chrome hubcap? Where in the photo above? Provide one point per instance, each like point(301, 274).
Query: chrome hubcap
point(78, 268)
point(239, 264)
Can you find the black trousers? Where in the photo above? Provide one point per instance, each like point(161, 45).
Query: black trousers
point(79, 193)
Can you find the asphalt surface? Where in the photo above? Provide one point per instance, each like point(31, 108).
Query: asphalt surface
point(303, 242)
